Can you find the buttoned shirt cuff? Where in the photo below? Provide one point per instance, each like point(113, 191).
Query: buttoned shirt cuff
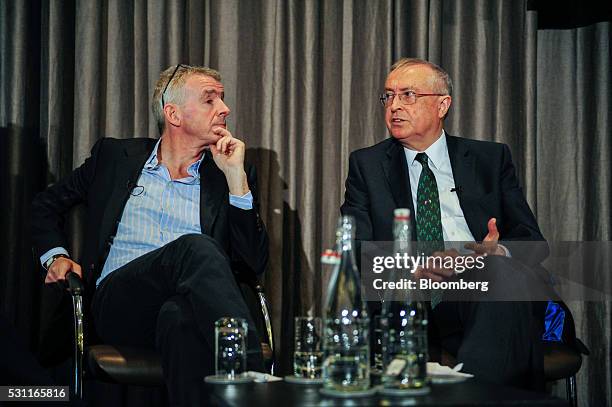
point(52, 252)
point(243, 202)
point(506, 251)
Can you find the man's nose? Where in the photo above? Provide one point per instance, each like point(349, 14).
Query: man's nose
point(224, 110)
point(395, 104)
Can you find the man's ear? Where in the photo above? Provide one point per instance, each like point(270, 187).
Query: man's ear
point(444, 105)
point(172, 114)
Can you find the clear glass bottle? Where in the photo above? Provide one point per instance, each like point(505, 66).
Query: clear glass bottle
point(346, 349)
point(404, 348)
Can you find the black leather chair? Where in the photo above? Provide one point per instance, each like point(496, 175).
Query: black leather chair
point(142, 367)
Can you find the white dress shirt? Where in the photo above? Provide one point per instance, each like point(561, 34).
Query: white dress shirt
point(454, 226)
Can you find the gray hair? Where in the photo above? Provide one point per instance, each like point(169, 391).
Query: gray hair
point(442, 83)
point(175, 91)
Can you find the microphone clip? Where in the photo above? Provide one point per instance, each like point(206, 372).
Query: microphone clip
point(134, 189)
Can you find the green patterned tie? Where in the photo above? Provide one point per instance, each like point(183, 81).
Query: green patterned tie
point(428, 219)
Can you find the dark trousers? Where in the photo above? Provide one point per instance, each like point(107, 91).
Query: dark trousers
point(169, 299)
point(497, 341)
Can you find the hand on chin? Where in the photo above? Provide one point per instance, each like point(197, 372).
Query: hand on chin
point(214, 135)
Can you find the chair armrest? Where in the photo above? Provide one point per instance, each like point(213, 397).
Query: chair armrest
point(560, 360)
point(75, 284)
point(76, 289)
point(257, 288)
point(265, 310)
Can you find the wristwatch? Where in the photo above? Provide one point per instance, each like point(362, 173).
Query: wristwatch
point(51, 259)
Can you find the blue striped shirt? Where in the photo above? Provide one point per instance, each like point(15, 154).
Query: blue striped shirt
point(158, 211)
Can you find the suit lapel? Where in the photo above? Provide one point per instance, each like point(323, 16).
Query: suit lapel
point(464, 173)
point(395, 169)
point(127, 171)
point(213, 192)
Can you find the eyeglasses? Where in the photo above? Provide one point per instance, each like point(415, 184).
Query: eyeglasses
point(167, 84)
point(405, 98)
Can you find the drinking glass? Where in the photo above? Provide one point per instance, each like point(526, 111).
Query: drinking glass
point(307, 357)
point(230, 347)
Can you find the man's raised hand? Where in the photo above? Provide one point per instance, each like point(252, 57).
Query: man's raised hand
point(489, 245)
point(228, 154)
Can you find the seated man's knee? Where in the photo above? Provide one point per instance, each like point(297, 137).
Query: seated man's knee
point(198, 256)
point(175, 315)
point(196, 239)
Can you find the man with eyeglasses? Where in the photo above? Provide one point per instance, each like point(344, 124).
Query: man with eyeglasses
point(169, 222)
point(457, 190)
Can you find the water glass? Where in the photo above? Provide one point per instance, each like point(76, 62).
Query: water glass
point(307, 357)
point(230, 347)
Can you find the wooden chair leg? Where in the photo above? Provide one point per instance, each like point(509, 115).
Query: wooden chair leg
point(570, 388)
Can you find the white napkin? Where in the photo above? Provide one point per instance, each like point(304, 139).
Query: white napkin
point(433, 369)
point(259, 377)
point(436, 369)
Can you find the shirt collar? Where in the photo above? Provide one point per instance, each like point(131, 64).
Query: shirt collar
point(152, 162)
point(194, 169)
point(435, 152)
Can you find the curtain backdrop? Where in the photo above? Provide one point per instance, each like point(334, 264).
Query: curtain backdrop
point(302, 79)
point(573, 166)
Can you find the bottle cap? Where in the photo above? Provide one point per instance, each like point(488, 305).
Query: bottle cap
point(401, 214)
point(330, 257)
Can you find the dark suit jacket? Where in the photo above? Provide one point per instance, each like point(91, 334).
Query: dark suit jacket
point(103, 184)
point(378, 182)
